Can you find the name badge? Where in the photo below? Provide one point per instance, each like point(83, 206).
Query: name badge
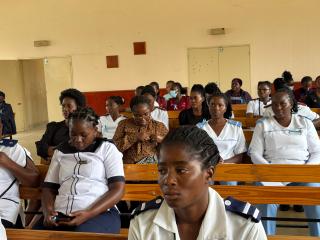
point(83, 162)
point(295, 132)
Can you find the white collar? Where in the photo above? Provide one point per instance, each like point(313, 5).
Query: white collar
point(214, 223)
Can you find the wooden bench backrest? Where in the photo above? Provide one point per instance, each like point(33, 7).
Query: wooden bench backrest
point(247, 122)
point(227, 172)
point(239, 112)
point(317, 110)
point(26, 234)
point(239, 107)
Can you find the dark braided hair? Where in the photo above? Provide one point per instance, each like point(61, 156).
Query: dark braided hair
point(227, 102)
point(86, 114)
point(291, 96)
point(197, 142)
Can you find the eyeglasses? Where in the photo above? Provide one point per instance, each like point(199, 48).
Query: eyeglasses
point(263, 89)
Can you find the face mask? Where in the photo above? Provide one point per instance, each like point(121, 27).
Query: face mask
point(173, 93)
point(291, 87)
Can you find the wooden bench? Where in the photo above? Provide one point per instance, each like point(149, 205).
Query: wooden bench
point(26, 234)
point(138, 190)
point(247, 122)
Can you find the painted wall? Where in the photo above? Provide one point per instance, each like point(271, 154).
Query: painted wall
point(11, 83)
point(283, 34)
point(35, 93)
point(58, 76)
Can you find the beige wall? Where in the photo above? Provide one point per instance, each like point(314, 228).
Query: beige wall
point(282, 34)
point(58, 76)
point(34, 92)
point(11, 83)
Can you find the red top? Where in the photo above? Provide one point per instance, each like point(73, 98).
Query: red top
point(162, 102)
point(184, 103)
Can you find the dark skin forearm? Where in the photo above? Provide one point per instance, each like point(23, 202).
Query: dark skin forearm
point(235, 159)
point(316, 123)
point(47, 199)
point(109, 199)
point(27, 176)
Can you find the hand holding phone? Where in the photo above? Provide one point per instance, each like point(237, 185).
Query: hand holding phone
point(61, 217)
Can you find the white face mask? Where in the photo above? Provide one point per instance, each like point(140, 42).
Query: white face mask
point(173, 93)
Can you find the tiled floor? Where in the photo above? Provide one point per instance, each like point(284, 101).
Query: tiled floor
point(28, 138)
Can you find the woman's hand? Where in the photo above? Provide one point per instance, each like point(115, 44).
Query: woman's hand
point(79, 218)
point(143, 136)
point(48, 219)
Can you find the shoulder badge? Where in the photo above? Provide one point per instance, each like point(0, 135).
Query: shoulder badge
point(153, 204)
point(235, 123)
point(8, 142)
point(243, 209)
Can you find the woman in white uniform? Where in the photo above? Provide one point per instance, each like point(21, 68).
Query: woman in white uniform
point(256, 107)
point(286, 138)
point(226, 134)
point(109, 123)
point(190, 208)
point(84, 181)
point(16, 167)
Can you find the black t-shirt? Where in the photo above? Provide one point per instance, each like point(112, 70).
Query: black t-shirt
point(186, 117)
point(312, 100)
point(56, 133)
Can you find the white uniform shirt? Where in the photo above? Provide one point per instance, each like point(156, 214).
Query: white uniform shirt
point(160, 116)
point(107, 126)
point(10, 201)
point(296, 144)
point(82, 177)
point(303, 111)
point(217, 224)
point(3, 235)
point(256, 107)
point(231, 140)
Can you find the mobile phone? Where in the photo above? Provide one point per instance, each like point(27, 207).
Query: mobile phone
point(61, 217)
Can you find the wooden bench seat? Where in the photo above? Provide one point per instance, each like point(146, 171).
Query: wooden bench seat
point(26, 234)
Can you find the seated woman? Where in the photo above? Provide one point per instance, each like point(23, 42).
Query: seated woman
point(160, 101)
point(58, 132)
point(226, 134)
point(190, 208)
point(16, 167)
point(313, 98)
point(178, 101)
point(199, 111)
point(303, 110)
point(256, 107)
point(306, 88)
point(138, 137)
point(237, 95)
point(286, 138)
point(109, 123)
point(157, 113)
point(84, 181)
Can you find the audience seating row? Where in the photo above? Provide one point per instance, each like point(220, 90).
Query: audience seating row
point(137, 191)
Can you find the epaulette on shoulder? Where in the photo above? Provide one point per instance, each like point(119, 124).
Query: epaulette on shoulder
point(235, 123)
point(267, 106)
point(260, 120)
point(201, 124)
point(153, 204)
point(243, 209)
point(8, 142)
point(160, 108)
